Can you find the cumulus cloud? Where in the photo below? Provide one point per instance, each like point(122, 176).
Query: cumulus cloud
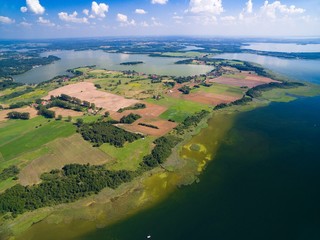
point(249, 6)
point(6, 20)
point(205, 6)
point(99, 10)
point(72, 17)
point(140, 11)
point(162, 2)
point(23, 9)
point(45, 22)
point(271, 9)
point(85, 12)
point(123, 19)
point(33, 6)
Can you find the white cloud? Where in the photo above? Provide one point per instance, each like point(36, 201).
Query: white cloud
point(34, 6)
point(72, 17)
point(85, 12)
point(6, 20)
point(25, 24)
point(99, 10)
point(140, 11)
point(45, 22)
point(123, 19)
point(206, 6)
point(162, 2)
point(177, 17)
point(271, 9)
point(249, 6)
point(23, 9)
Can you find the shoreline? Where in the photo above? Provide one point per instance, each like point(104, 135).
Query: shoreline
point(138, 195)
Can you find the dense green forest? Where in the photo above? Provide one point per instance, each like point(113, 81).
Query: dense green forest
point(104, 132)
point(14, 63)
point(73, 182)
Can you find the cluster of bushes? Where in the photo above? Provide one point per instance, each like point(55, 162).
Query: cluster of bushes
point(71, 183)
point(18, 105)
point(19, 115)
point(191, 121)
point(182, 79)
point(130, 118)
point(134, 107)
point(148, 125)
point(9, 172)
point(42, 110)
point(185, 89)
point(104, 132)
point(160, 153)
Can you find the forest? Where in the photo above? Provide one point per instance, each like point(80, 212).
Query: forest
point(104, 132)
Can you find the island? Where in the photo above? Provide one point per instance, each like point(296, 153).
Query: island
point(132, 63)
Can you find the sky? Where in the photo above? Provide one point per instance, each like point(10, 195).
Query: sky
point(23, 19)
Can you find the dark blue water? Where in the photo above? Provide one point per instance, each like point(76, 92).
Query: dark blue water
point(263, 184)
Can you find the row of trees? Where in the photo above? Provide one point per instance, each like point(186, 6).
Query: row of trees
point(134, 107)
point(19, 115)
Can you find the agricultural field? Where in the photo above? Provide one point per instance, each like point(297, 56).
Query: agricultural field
point(128, 157)
point(62, 151)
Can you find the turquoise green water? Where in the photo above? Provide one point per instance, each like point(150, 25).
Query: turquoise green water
point(263, 184)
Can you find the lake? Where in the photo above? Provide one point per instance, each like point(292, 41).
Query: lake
point(303, 70)
point(263, 184)
point(110, 61)
point(283, 47)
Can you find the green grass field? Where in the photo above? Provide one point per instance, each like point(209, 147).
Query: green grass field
point(130, 155)
point(60, 152)
point(217, 88)
point(20, 136)
point(178, 109)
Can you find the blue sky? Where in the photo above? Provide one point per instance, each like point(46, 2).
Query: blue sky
point(84, 18)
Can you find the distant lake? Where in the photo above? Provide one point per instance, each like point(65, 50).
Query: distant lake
point(283, 47)
point(304, 70)
point(110, 61)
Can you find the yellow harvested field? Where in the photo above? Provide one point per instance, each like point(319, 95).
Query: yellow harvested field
point(86, 91)
point(62, 151)
point(31, 110)
point(249, 80)
point(66, 112)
